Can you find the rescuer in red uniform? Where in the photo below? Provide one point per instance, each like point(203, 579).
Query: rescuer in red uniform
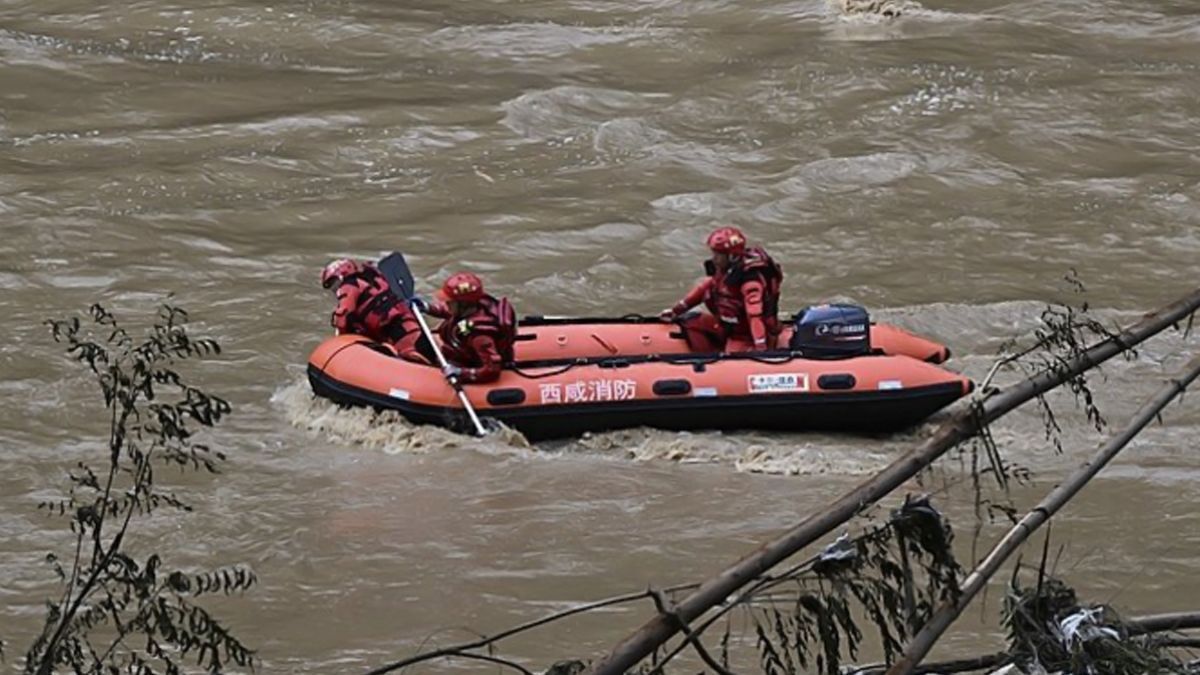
point(741, 293)
point(367, 307)
point(477, 332)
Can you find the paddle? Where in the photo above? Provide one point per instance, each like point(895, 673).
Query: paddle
point(400, 279)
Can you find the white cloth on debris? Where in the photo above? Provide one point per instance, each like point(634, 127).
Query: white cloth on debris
point(1084, 626)
point(841, 549)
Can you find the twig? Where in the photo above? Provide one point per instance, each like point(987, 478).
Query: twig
point(665, 608)
point(492, 659)
point(957, 666)
point(50, 653)
point(486, 640)
point(920, 645)
point(959, 427)
point(763, 584)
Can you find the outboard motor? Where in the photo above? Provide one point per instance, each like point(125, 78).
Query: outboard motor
point(832, 332)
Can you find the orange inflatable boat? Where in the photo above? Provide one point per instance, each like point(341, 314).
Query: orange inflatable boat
point(835, 370)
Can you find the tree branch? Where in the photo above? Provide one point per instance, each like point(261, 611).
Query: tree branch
point(957, 666)
point(962, 425)
point(486, 640)
point(1157, 623)
point(665, 607)
point(489, 658)
point(924, 640)
point(765, 583)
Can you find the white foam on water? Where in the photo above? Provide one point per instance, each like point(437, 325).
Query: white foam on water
point(877, 10)
point(749, 452)
point(387, 430)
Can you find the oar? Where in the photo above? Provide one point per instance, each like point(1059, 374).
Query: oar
point(400, 279)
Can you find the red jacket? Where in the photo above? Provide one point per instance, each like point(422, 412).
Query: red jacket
point(481, 342)
point(366, 307)
point(744, 297)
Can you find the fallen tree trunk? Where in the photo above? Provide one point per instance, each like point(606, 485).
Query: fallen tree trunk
point(961, 426)
point(924, 640)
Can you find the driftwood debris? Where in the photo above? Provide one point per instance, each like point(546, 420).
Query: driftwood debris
point(1141, 625)
point(920, 645)
point(963, 425)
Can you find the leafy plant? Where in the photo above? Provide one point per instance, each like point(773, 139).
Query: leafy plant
point(894, 574)
point(116, 613)
point(1066, 331)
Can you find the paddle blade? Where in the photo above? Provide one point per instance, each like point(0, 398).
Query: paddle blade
point(399, 277)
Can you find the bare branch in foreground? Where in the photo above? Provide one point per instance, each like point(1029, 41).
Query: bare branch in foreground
point(463, 650)
point(923, 642)
point(961, 426)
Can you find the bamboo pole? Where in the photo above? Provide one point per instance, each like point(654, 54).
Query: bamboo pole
point(1158, 623)
point(924, 640)
point(959, 427)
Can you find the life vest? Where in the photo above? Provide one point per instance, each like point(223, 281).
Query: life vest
point(494, 318)
point(377, 306)
point(723, 302)
point(724, 297)
point(757, 262)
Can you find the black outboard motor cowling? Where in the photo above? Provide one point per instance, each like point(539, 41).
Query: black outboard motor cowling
point(832, 332)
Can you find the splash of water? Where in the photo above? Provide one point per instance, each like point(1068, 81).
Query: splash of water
point(385, 430)
point(880, 9)
point(749, 452)
point(781, 454)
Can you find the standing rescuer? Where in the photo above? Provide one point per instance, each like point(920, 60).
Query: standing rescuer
point(477, 332)
point(366, 306)
point(742, 293)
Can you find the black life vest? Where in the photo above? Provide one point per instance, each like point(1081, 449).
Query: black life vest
point(379, 301)
point(756, 262)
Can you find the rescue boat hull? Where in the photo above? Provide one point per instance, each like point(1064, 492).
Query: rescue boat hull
point(547, 399)
point(864, 412)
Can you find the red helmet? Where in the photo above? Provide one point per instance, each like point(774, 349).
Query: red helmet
point(729, 240)
point(337, 270)
point(461, 287)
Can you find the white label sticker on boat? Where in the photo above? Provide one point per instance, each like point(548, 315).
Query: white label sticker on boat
point(772, 382)
point(891, 384)
point(704, 391)
point(398, 393)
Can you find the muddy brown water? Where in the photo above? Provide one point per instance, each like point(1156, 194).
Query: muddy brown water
point(945, 169)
